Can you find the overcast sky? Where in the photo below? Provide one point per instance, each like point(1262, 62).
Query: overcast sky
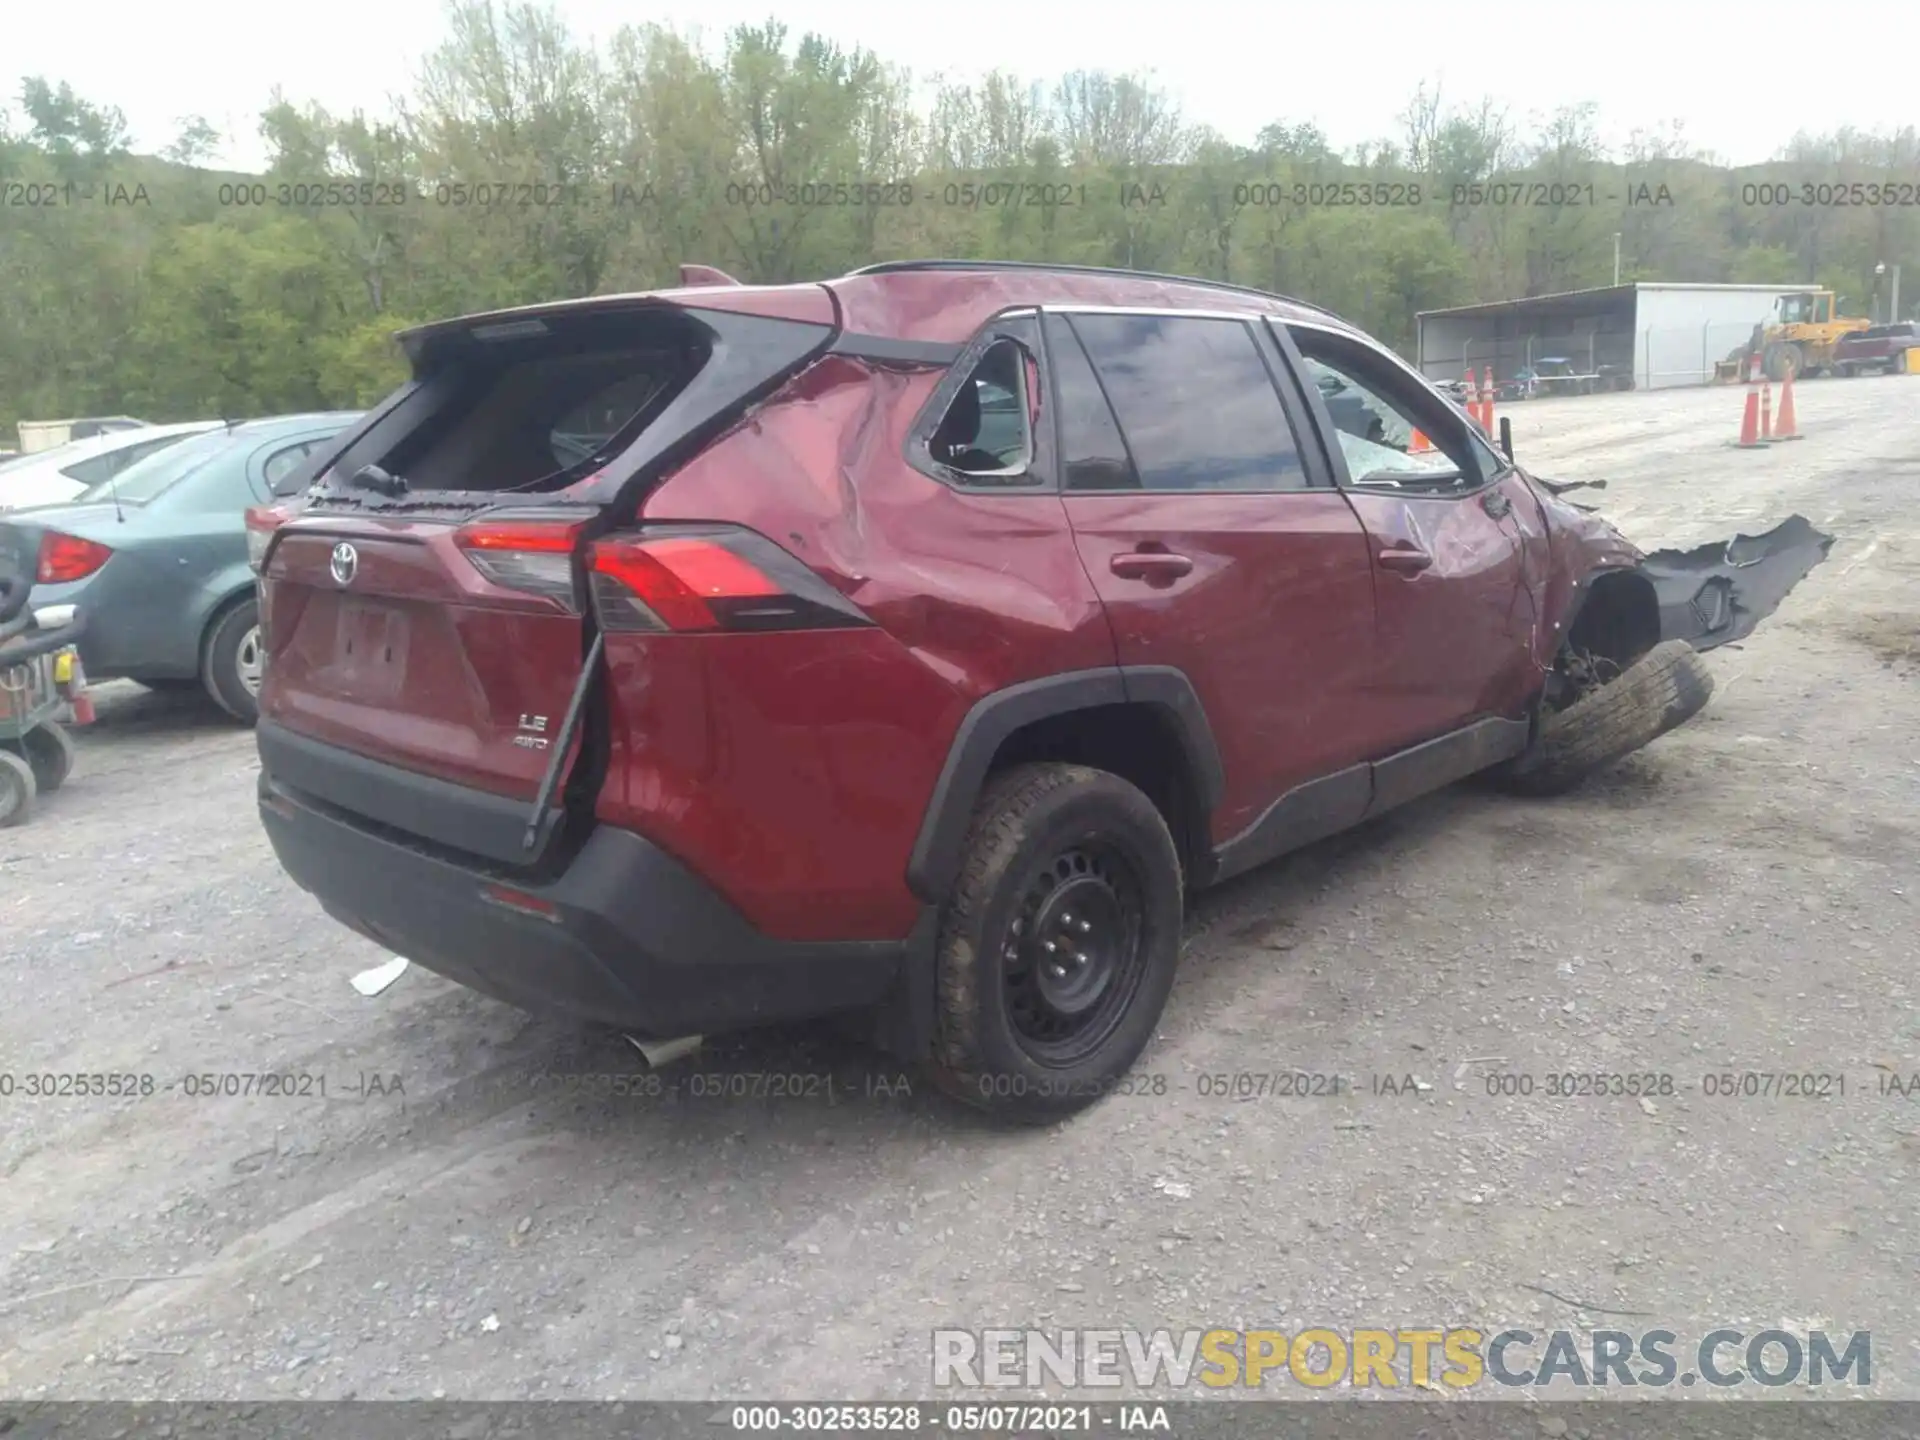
point(1720, 68)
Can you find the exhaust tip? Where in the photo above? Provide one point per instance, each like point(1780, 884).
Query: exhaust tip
point(661, 1053)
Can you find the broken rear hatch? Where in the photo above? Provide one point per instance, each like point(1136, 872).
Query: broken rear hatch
point(426, 607)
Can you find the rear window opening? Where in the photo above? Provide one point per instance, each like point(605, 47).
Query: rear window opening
point(538, 411)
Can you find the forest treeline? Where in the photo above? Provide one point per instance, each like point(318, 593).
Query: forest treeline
point(527, 165)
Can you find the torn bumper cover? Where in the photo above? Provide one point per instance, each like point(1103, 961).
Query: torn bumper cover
point(1717, 592)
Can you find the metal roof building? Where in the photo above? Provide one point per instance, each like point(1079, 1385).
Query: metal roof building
point(1664, 333)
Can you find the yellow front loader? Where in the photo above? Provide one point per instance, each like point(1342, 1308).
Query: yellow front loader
point(1805, 327)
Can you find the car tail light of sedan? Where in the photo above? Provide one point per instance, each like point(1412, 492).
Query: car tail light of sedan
point(68, 557)
point(262, 521)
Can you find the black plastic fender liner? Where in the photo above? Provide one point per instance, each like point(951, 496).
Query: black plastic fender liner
point(936, 857)
point(1717, 593)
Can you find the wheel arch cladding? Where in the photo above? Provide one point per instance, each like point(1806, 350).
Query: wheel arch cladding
point(1123, 715)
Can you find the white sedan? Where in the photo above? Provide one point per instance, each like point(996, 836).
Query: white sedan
point(55, 476)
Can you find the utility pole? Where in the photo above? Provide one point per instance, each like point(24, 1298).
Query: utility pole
point(1616, 257)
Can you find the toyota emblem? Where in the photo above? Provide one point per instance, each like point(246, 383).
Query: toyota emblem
point(346, 560)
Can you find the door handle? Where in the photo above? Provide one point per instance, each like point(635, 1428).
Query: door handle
point(1496, 503)
point(1406, 559)
point(1149, 565)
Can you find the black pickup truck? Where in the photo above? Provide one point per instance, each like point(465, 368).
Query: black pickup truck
point(1878, 347)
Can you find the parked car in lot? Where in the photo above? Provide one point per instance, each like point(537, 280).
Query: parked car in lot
point(1556, 375)
point(154, 561)
point(45, 434)
point(911, 645)
point(51, 477)
point(1878, 347)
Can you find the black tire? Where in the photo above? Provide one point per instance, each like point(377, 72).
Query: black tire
point(1044, 839)
point(17, 790)
point(49, 750)
point(221, 663)
point(1662, 690)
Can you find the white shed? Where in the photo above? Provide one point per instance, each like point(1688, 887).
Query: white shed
point(1665, 333)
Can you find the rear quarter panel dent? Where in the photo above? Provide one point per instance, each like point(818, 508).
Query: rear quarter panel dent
point(799, 777)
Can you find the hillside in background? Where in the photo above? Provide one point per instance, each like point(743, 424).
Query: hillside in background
point(526, 166)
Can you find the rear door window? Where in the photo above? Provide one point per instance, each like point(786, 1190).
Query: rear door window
point(1196, 404)
point(283, 463)
point(1092, 454)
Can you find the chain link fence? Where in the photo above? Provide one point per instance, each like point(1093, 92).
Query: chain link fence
point(1595, 359)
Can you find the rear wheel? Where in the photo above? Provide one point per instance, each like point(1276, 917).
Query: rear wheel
point(234, 662)
point(1058, 944)
point(17, 790)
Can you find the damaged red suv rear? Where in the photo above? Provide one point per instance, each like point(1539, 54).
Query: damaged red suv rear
point(913, 643)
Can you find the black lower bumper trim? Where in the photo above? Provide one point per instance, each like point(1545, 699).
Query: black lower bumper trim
point(632, 937)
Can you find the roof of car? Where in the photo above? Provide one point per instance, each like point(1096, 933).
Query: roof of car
point(938, 301)
point(287, 422)
point(117, 440)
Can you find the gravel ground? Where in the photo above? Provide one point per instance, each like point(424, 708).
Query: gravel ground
point(1738, 897)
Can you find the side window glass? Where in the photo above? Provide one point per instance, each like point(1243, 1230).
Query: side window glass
point(987, 432)
point(283, 463)
point(1379, 425)
point(1195, 402)
point(1093, 456)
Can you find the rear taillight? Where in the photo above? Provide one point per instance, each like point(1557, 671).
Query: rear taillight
point(68, 557)
point(709, 578)
point(262, 521)
point(530, 555)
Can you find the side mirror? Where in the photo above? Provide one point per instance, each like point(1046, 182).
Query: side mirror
point(1506, 437)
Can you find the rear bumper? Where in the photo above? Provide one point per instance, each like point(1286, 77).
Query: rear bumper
point(633, 939)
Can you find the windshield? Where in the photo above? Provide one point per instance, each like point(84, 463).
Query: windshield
point(145, 479)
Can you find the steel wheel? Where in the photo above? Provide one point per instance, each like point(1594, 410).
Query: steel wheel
point(1074, 957)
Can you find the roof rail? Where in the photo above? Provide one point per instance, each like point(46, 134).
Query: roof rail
point(888, 267)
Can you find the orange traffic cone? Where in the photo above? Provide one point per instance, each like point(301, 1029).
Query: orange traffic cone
point(1419, 444)
point(1766, 410)
point(1486, 402)
point(1750, 421)
point(1785, 427)
point(1473, 397)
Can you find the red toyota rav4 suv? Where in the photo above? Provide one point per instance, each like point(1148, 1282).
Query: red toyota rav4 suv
point(910, 643)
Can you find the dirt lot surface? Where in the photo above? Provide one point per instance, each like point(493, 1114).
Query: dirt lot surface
point(1739, 897)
